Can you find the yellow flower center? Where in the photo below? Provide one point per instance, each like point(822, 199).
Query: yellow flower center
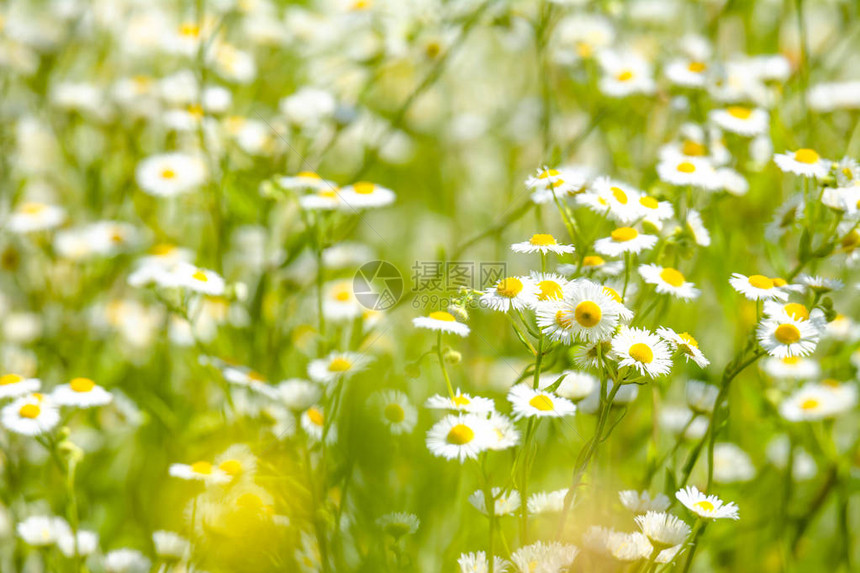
point(593, 261)
point(315, 416)
point(619, 195)
point(7, 379)
point(394, 413)
point(686, 167)
point(168, 173)
point(691, 148)
point(704, 505)
point(810, 404)
point(545, 174)
point(672, 276)
point(761, 282)
point(778, 282)
point(363, 187)
point(562, 318)
point(342, 294)
point(688, 339)
point(739, 112)
point(442, 315)
point(807, 156)
point(32, 208)
point(339, 364)
point(460, 434)
point(697, 67)
point(649, 202)
point(549, 290)
point(200, 276)
point(82, 385)
point(509, 287)
point(461, 400)
point(542, 240)
point(587, 314)
point(584, 50)
point(613, 293)
point(796, 311)
point(787, 333)
point(189, 30)
point(624, 76)
point(204, 468)
point(162, 249)
point(196, 110)
point(250, 501)
point(791, 360)
point(30, 411)
point(231, 467)
point(641, 353)
point(624, 234)
point(542, 403)
point(308, 175)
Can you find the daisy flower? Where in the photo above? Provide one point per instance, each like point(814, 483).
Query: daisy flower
point(31, 415)
point(42, 530)
point(477, 563)
point(757, 287)
point(506, 502)
point(365, 195)
point(327, 199)
point(548, 183)
point(305, 180)
point(642, 350)
point(396, 411)
point(624, 240)
point(542, 502)
point(805, 162)
point(819, 284)
point(662, 529)
point(170, 174)
point(31, 216)
point(701, 396)
point(706, 506)
point(312, 421)
point(83, 543)
point(697, 229)
point(298, 394)
point(196, 279)
point(170, 545)
point(576, 385)
point(594, 264)
point(544, 557)
point(642, 502)
point(813, 402)
point(795, 367)
point(14, 385)
point(668, 281)
point(340, 303)
point(461, 403)
point(81, 393)
point(399, 524)
point(625, 74)
point(200, 470)
point(619, 200)
point(126, 561)
point(503, 432)
point(459, 437)
point(653, 210)
point(510, 293)
point(441, 321)
point(688, 73)
point(587, 313)
point(243, 376)
point(784, 336)
point(694, 171)
point(745, 121)
point(337, 365)
point(542, 243)
point(732, 464)
point(628, 546)
point(685, 344)
point(528, 402)
point(237, 462)
point(550, 286)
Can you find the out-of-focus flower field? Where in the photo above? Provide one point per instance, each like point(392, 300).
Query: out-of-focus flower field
point(389, 286)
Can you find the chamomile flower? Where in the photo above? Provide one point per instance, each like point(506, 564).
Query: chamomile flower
point(200, 470)
point(625, 74)
point(785, 336)
point(688, 73)
point(685, 344)
point(306, 180)
point(732, 464)
point(544, 557)
point(642, 502)
point(396, 411)
point(339, 301)
point(366, 195)
point(83, 543)
point(662, 529)
point(745, 121)
point(503, 432)
point(642, 350)
point(576, 385)
point(548, 183)
point(624, 240)
point(813, 402)
point(477, 563)
point(441, 321)
point(628, 547)
point(818, 284)
point(594, 264)
point(668, 281)
point(543, 502)
point(697, 229)
point(706, 506)
point(81, 393)
point(170, 174)
point(805, 162)
point(511, 293)
point(528, 402)
point(398, 524)
point(693, 171)
point(506, 502)
point(169, 545)
point(460, 437)
point(42, 530)
point(654, 211)
point(298, 394)
point(542, 243)
point(31, 415)
point(327, 199)
point(337, 365)
point(701, 396)
point(792, 367)
point(777, 453)
point(15, 385)
point(243, 376)
point(312, 421)
point(196, 279)
point(757, 287)
point(31, 216)
point(126, 561)
point(587, 313)
point(550, 286)
point(613, 198)
point(461, 402)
